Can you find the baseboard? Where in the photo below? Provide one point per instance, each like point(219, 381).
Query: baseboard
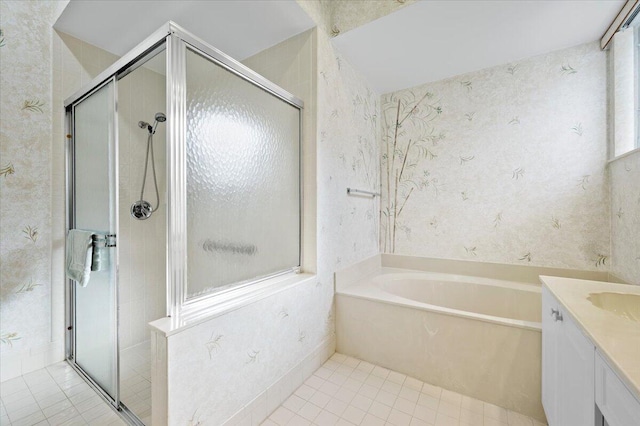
point(16, 364)
point(264, 404)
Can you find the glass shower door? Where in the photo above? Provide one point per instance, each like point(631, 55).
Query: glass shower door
point(94, 209)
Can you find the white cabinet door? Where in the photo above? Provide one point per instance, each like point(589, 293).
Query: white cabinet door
point(576, 375)
point(567, 368)
point(550, 361)
point(616, 402)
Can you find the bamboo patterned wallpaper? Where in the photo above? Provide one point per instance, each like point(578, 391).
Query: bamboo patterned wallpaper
point(505, 164)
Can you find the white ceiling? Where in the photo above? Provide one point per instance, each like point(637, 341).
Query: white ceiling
point(238, 28)
point(432, 40)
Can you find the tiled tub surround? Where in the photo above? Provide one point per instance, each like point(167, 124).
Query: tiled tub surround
point(347, 391)
point(476, 335)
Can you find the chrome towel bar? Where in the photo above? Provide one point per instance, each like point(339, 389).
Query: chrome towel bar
point(353, 191)
point(105, 240)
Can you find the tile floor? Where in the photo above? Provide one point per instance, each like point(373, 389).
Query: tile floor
point(346, 391)
point(135, 380)
point(55, 395)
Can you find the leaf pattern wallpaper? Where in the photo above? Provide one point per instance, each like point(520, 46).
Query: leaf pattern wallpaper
point(25, 176)
point(625, 220)
point(503, 165)
point(349, 14)
point(509, 162)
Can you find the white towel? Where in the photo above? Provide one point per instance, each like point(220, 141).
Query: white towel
point(79, 255)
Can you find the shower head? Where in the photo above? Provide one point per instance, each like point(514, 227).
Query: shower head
point(159, 118)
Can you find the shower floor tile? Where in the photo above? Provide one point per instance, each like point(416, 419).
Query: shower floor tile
point(347, 391)
point(135, 380)
point(55, 395)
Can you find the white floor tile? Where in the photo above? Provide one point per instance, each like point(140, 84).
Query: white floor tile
point(353, 414)
point(320, 399)
point(371, 420)
point(409, 394)
point(314, 382)
point(386, 398)
point(326, 418)
point(305, 392)
point(398, 418)
point(294, 403)
point(380, 410)
point(281, 416)
point(372, 396)
point(448, 409)
point(309, 411)
point(335, 406)
point(368, 391)
point(405, 406)
point(55, 395)
point(296, 420)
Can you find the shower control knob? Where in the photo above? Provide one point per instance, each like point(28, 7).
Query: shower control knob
point(141, 210)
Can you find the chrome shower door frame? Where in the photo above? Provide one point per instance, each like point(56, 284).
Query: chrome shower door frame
point(118, 70)
point(70, 294)
point(176, 40)
point(179, 306)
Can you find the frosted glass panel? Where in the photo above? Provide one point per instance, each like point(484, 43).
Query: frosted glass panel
point(95, 304)
point(243, 186)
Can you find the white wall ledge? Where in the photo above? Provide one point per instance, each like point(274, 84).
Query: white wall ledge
point(230, 301)
point(625, 155)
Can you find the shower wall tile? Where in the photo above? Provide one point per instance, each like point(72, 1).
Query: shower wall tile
point(504, 165)
point(142, 243)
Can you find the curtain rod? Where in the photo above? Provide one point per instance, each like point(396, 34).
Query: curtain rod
point(628, 12)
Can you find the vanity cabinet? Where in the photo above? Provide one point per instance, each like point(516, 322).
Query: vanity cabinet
point(567, 368)
point(579, 387)
point(618, 406)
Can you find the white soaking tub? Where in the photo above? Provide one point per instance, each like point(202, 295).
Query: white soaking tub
point(477, 336)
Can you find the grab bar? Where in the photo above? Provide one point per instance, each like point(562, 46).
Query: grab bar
point(351, 191)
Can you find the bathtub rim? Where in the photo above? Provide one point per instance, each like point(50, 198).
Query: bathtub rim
point(367, 289)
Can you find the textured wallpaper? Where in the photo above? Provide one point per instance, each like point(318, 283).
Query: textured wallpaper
point(625, 217)
point(349, 14)
point(335, 17)
point(505, 164)
point(25, 172)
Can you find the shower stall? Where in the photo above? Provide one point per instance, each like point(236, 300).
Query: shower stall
point(185, 167)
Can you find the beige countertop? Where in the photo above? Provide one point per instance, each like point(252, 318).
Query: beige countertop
point(616, 338)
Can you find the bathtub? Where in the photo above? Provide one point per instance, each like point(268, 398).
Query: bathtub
point(474, 335)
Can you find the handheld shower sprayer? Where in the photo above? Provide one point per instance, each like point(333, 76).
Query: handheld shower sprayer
point(142, 209)
point(159, 118)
